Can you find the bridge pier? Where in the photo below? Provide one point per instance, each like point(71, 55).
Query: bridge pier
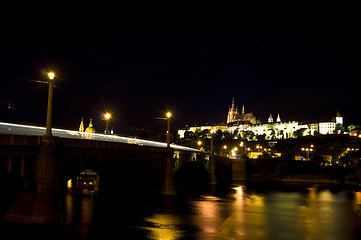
point(239, 170)
point(168, 184)
point(212, 170)
point(41, 205)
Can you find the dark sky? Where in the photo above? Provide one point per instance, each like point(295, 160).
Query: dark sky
point(300, 60)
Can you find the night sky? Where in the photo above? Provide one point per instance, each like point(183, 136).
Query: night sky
point(301, 60)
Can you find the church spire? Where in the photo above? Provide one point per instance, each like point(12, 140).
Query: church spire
point(270, 119)
point(278, 118)
point(232, 113)
point(243, 109)
point(81, 127)
point(233, 107)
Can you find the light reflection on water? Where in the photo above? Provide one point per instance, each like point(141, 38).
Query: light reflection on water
point(242, 212)
point(311, 214)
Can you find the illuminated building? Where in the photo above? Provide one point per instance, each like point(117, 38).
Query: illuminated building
point(214, 128)
point(356, 132)
point(276, 130)
point(339, 119)
point(81, 127)
point(313, 128)
point(278, 118)
point(326, 127)
point(244, 123)
point(233, 115)
point(90, 128)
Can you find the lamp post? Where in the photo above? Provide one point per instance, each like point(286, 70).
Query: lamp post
point(168, 114)
point(107, 117)
point(212, 142)
point(307, 150)
point(168, 179)
point(51, 76)
point(211, 165)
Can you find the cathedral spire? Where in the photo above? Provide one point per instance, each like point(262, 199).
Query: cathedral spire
point(243, 109)
point(233, 107)
point(270, 119)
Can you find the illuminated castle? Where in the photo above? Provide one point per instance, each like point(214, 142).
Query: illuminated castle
point(245, 123)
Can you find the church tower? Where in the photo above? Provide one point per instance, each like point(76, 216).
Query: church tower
point(90, 128)
point(232, 113)
point(339, 118)
point(270, 119)
point(81, 127)
point(278, 118)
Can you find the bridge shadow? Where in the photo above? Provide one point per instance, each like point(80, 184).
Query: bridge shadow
point(129, 175)
point(192, 178)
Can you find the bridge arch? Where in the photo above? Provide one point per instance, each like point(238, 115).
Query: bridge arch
point(130, 172)
point(191, 177)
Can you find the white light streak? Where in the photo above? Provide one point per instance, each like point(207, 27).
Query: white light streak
point(19, 129)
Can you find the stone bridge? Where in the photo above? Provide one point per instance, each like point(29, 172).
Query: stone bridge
point(41, 167)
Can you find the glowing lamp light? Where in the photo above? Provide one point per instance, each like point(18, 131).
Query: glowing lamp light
point(107, 116)
point(51, 75)
point(168, 114)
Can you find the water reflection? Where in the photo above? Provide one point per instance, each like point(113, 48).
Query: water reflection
point(242, 212)
point(309, 213)
point(163, 226)
point(79, 210)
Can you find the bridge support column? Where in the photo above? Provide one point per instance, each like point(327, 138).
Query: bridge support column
point(168, 185)
point(212, 170)
point(42, 205)
point(239, 170)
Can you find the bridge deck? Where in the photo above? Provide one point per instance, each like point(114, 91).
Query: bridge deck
point(19, 129)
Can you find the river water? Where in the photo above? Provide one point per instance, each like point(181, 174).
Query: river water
point(236, 212)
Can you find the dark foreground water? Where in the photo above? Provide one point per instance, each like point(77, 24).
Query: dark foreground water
point(238, 212)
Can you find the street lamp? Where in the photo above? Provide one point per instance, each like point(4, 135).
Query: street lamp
point(51, 76)
point(107, 117)
point(212, 142)
point(307, 150)
point(168, 114)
